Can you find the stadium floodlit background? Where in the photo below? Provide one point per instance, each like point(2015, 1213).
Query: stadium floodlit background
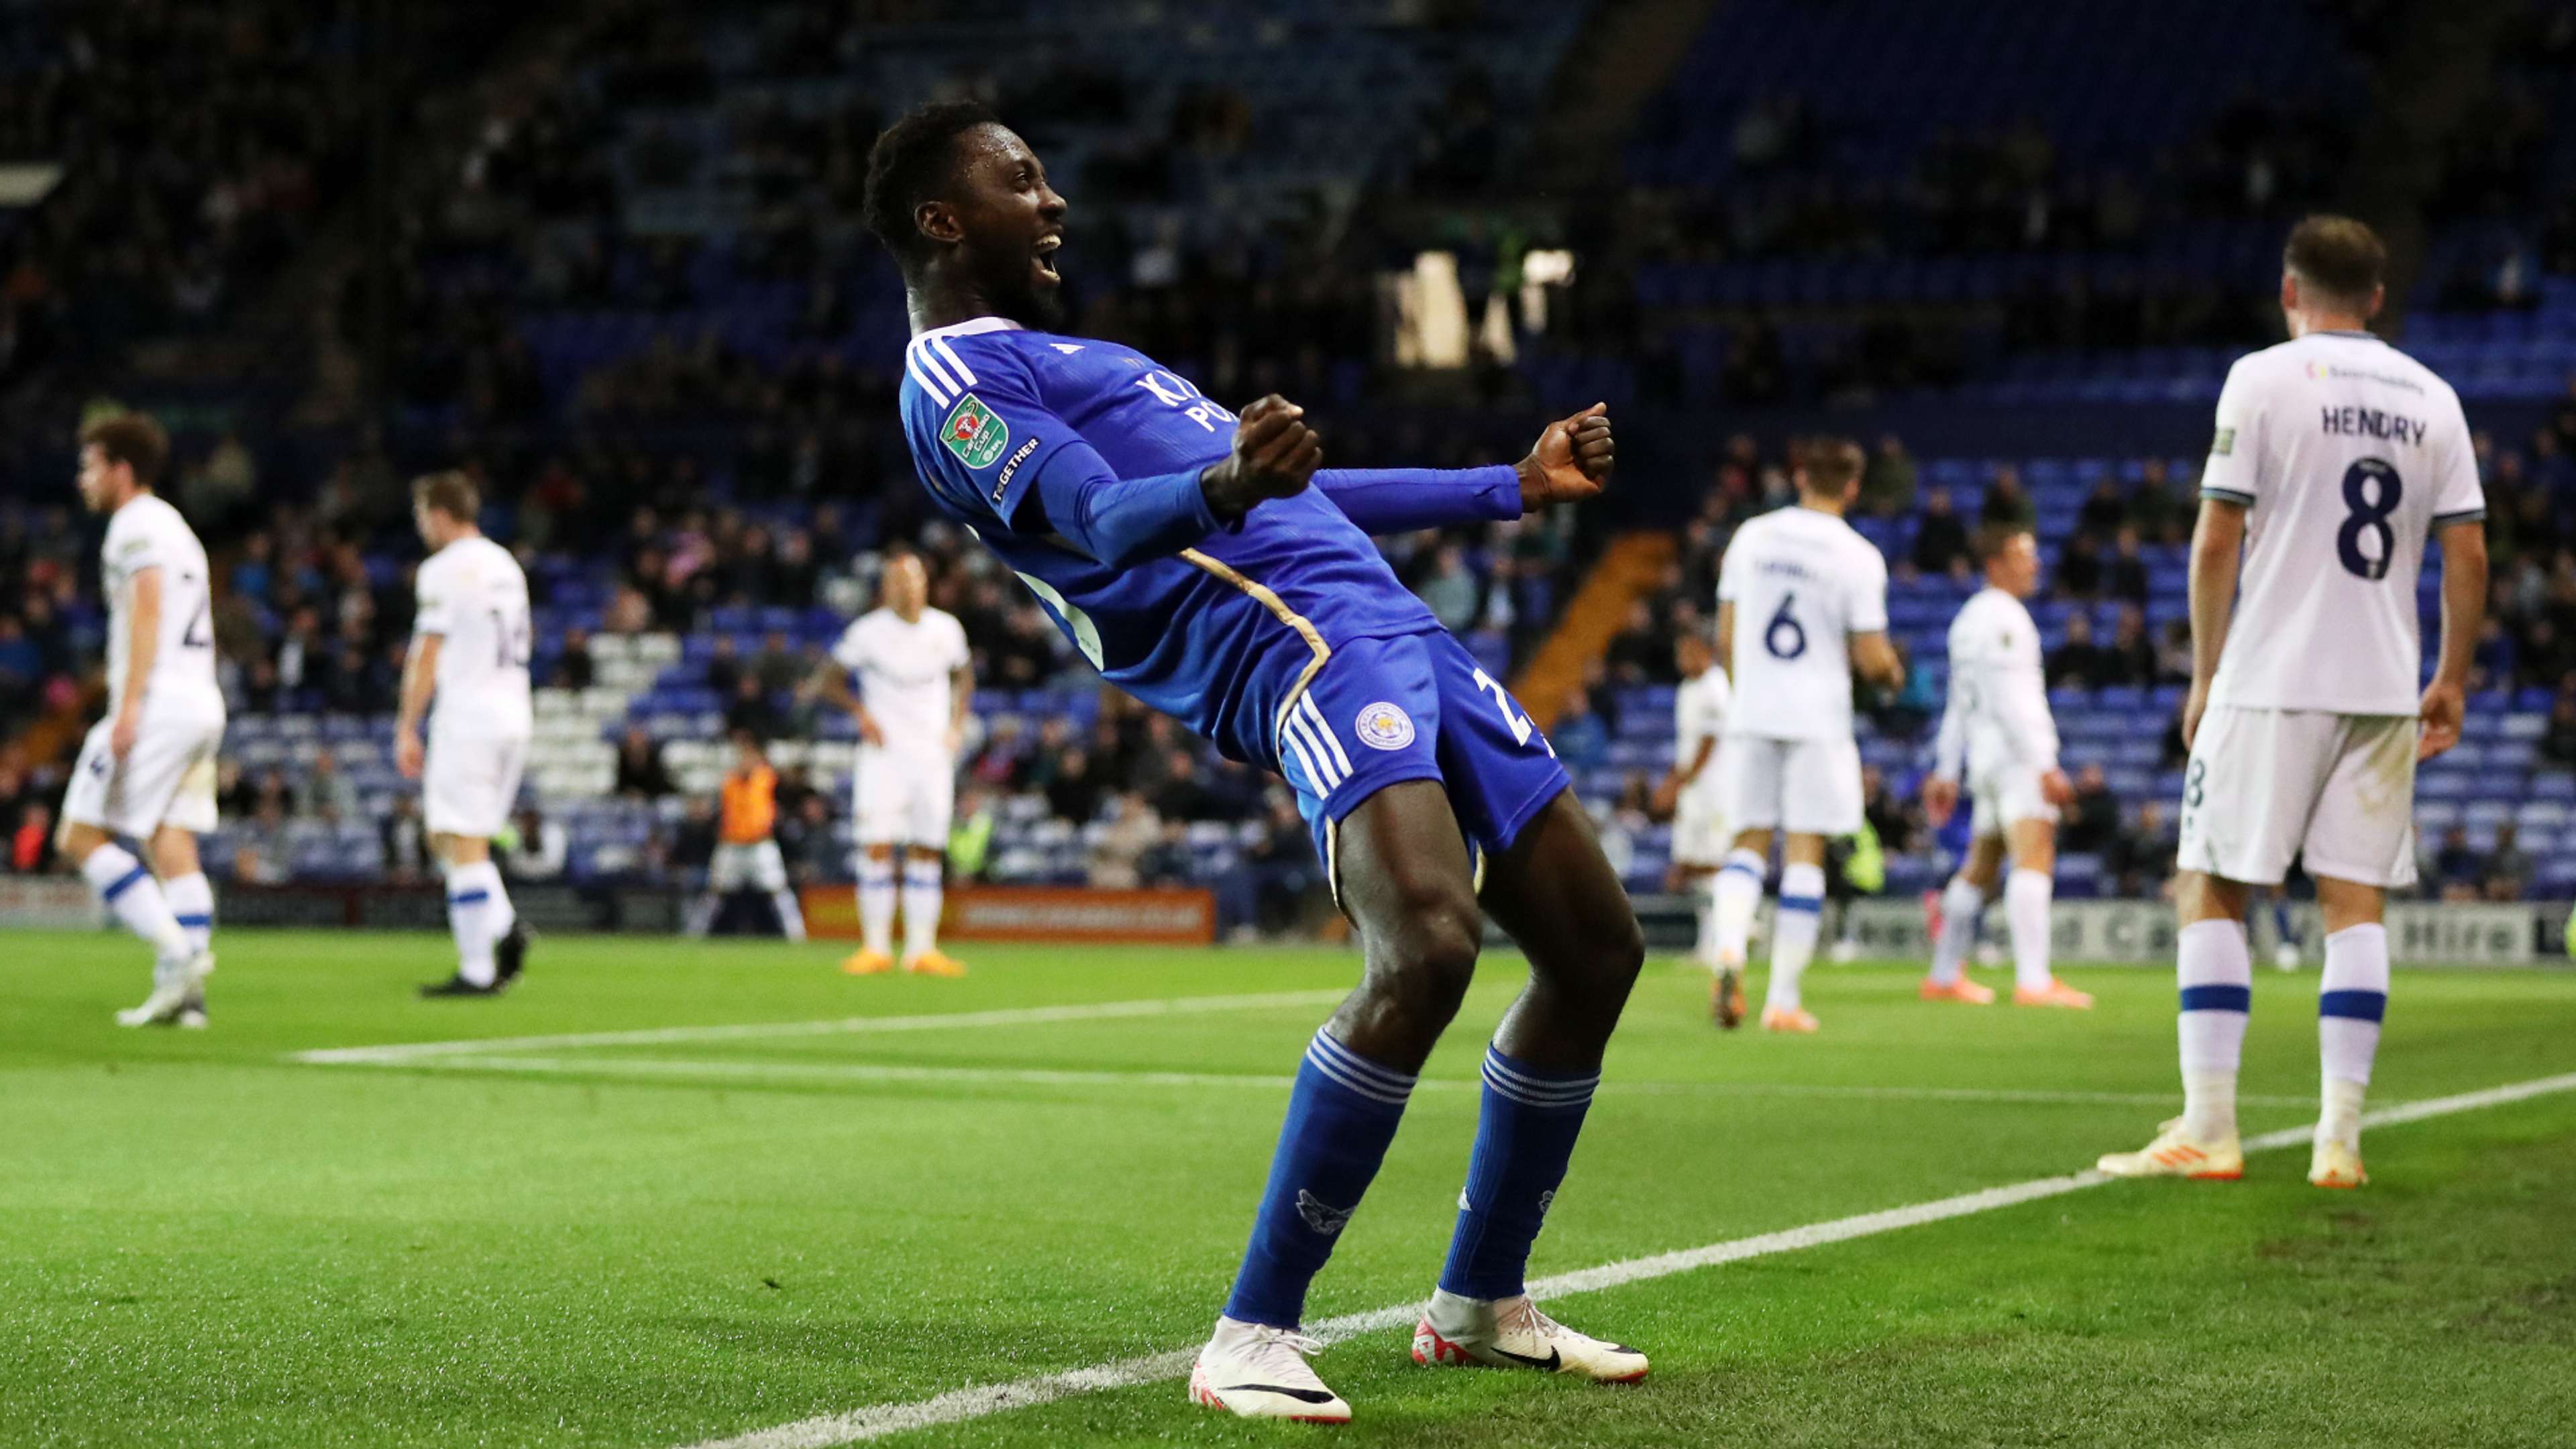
point(604, 255)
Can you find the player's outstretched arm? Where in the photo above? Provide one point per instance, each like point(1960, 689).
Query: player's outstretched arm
point(1572, 460)
point(2217, 548)
point(2464, 602)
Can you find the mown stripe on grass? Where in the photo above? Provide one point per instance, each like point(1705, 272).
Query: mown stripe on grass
point(880, 1420)
point(663, 1068)
point(758, 1030)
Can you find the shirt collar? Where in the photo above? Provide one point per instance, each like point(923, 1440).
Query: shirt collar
point(971, 327)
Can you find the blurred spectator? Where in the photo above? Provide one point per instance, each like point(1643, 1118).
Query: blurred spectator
point(2079, 568)
point(2092, 823)
point(1168, 861)
point(641, 774)
point(2140, 861)
point(328, 794)
point(2558, 741)
point(1117, 846)
point(2459, 872)
point(693, 844)
point(2104, 510)
point(2007, 504)
point(261, 854)
point(541, 849)
point(2132, 658)
point(1941, 538)
point(805, 839)
point(751, 709)
point(2128, 580)
point(1449, 587)
point(405, 841)
point(970, 835)
point(2508, 873)
point(1581, 740)
point(1642, 651)
point(2079, 662)
point(1286, 877)
point(1888, 485)
point(1073, 789)
point(573, 667)
point(31, 845)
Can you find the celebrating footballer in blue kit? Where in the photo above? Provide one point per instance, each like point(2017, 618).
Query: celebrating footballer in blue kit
point(1206, 563)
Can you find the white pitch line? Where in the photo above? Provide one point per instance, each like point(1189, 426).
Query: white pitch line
point(958, 1405)
point(752, 1031)
point(658, 1067)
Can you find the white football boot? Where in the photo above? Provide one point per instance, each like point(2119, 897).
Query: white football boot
point(175, 997)
point(1255, 1371)
point(2176, 1153)
point(1511, 1333)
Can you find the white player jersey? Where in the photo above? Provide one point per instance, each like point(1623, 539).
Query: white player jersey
point(474, 597)
point(1699, 713)
point(147, 533)
point(905, 673)
point(1802, 583)
point(2346, 454)
point(1998, 708)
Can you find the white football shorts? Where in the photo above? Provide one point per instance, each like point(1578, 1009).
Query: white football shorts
point(903, 797)
point(1806, 787)
point(1700, 836)
point(2265, 785)
point(2004, 795)
point(470, 783)
point(168, 778)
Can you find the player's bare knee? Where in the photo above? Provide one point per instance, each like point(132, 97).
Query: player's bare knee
point(79, 838)
point(2202, 897)
point(1421, 965)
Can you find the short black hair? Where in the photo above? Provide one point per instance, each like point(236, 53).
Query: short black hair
point(910, 161)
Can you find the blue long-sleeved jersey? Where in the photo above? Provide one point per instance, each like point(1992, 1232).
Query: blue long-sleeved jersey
point(1213, 624)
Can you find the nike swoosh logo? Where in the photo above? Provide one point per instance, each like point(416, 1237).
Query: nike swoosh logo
point(1554, 1360)
point(1303, 1396)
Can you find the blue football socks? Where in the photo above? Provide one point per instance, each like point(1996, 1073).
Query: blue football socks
point(1524, 1139)
point(1341, 1116)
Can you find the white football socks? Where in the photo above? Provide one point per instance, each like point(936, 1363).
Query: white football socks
point(1793, 933)
point(192, 902)
point(2217, 977)
point(876, 904)
point(130, 891)
point(1704, 948)
point(1733, 898)
point(478, 914)
point(1961, 900)
point(2350, 1002)
point(922, 899)
point(2026, 897)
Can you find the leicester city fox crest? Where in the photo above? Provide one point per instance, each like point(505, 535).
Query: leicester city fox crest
point(1320, 1215)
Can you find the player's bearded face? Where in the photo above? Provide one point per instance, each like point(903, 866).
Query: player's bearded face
point(1011, 223)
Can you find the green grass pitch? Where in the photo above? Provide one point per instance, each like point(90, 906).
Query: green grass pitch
point(669, 1238)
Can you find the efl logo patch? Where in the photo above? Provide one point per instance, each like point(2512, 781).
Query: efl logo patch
point(975, 433)
point(2223, 444)
point(1384, 726)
